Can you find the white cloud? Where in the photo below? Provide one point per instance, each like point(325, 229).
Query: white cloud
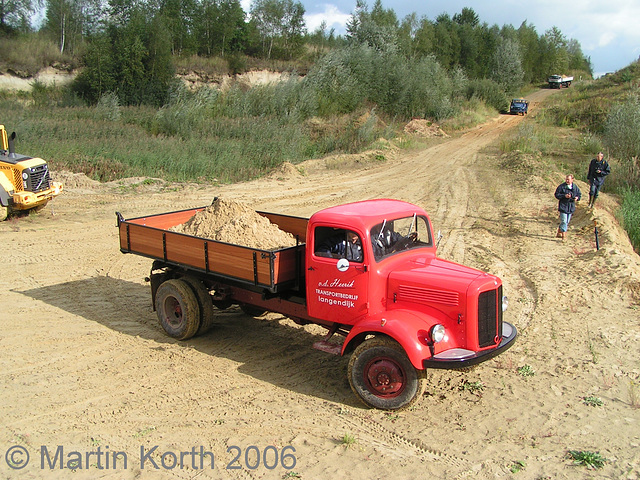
point(331, 15)
point(246, 5)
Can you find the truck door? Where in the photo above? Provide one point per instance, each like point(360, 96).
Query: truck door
point(337, 276)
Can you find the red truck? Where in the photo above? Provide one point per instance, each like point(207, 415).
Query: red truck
point(400, 308)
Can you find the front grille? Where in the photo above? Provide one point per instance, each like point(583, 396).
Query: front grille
point(39, 179)
point(489, 317)
point(427, 296)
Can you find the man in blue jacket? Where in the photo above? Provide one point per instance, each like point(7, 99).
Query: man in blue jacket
point(598, 169)
point(567, 194)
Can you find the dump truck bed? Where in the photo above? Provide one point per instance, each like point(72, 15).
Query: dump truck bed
point(274, 270)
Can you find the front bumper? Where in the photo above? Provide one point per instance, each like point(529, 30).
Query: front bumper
point(462, 358)
point(26, 200)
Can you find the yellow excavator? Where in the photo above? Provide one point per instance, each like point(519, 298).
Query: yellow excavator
point(25, 182)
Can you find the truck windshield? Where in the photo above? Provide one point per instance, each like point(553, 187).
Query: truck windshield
point(399, 234)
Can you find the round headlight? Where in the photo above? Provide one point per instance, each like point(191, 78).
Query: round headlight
point(437, 333)
point(505, 303)
point(25, 175)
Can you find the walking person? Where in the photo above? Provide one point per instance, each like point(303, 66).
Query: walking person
point(567, 194)
point(598, 169)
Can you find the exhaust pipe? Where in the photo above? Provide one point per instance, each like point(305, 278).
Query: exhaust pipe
point(12, 150)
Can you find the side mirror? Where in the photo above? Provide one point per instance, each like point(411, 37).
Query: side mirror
point(342, 265)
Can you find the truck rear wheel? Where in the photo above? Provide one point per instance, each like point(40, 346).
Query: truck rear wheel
point(207, 314)
point(382, 376)
point(178, 310)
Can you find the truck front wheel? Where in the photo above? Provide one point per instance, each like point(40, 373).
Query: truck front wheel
point(177, 308)
point(382, 376)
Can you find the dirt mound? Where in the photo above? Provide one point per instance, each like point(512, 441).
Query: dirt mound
point(424, 128)
point(233, 222)
point(286, 171)
point(72, 180)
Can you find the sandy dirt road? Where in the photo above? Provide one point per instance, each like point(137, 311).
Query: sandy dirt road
point(86, 368)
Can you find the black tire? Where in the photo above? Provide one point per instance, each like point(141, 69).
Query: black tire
point(207, 314)
point(382, 376)
point(178, 310)
point(253, 311)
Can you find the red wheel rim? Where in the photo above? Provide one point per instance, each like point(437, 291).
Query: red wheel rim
point(385, 377)
point(174, 311)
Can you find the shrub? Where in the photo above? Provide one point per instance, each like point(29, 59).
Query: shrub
point(622, 129)
point(108, 107)
point(630, 213)
point(529, 138)
point(186, 113)
point(591, 143)
point(490, 92)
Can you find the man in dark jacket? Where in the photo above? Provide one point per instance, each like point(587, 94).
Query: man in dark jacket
point(567, 194)
point(598, 169)
point(342, 245)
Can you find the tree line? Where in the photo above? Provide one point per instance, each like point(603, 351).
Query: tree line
point(127, 45)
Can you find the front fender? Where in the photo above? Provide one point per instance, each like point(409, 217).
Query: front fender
point(409, 329)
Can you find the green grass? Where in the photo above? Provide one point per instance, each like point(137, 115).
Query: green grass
point(630, 214)
point(216, 150)
point(593, 401)
point(517, 466)
point(143, 432)
point(592, 460)
point(291, 475)
point(207, 137)
point(473, 387)
point(526, 371)
point(348, 440)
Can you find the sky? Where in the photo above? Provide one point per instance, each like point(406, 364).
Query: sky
point(607, 30)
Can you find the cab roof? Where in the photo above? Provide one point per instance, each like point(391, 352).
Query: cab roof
point(366, 213)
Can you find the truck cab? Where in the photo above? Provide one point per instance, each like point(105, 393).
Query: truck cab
point(442, 314)
point(519, 106)
point(352, 289)
point(559, 81)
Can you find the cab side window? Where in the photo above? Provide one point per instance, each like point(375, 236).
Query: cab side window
point(337, 243)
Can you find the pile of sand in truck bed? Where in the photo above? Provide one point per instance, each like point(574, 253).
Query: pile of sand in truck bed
point(233, 222)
